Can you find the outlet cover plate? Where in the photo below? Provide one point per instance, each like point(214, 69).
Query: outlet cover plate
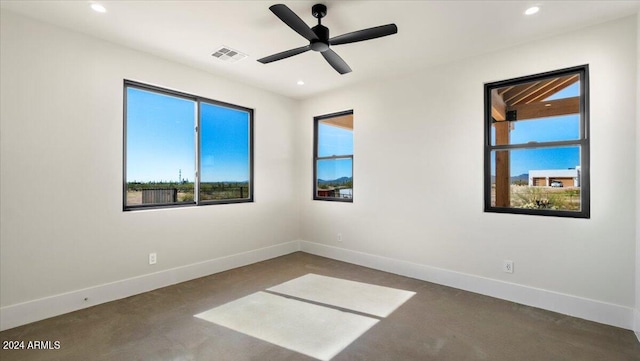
point(507, 266)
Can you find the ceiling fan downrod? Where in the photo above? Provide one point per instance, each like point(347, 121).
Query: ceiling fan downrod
point(322, 32)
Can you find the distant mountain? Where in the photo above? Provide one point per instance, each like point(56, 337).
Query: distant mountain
point(340, 180)
point(522, 177)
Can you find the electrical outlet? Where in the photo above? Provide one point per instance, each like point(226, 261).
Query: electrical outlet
point(339, 237)
point(507, 266)
point(153, 258)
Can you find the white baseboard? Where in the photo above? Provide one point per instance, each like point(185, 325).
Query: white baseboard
point(602, 312)
point(637, 324)
point(40, 309)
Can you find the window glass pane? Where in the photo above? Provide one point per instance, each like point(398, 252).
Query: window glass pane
point(335, 136)
point(224, 152)
point(539, 130)
point(546, 110)
point(335, 178)
point(543, 178)
point(160, 148)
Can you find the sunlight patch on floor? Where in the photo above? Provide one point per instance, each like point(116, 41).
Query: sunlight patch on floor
point(310, 323)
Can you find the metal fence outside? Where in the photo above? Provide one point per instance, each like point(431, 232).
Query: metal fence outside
point(159, 195)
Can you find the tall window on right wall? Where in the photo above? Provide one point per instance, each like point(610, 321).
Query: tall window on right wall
point(536, 152)
point(333, 157)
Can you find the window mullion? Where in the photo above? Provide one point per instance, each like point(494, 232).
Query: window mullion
point(335, 157)
point(196, 182)
point(577, 142)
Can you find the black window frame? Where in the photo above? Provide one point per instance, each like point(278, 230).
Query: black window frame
point(316, 121)
point(582, 143)
point(197, 134)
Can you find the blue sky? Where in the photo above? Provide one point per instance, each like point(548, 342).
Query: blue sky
point(545, 130)
point(161, 139)
point(224, 144)
point(524, 160)
point(334, 141)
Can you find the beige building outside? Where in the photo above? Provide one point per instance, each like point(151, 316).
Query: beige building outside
point(555, 177)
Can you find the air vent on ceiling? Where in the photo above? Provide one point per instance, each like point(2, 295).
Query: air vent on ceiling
point(229, 55)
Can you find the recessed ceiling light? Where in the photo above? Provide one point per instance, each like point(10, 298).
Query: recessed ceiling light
point(98, 8)
point(532, 10)
point(300, 82)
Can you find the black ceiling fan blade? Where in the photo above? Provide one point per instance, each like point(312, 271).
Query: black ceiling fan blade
point(336, 61)
point(365, 34)
point(293, 21)
point(284, 54)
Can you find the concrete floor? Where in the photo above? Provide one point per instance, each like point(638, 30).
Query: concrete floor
point(438, 323)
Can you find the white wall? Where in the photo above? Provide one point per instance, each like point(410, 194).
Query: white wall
point(418, 175)
point(62, 224)
point(418, 170)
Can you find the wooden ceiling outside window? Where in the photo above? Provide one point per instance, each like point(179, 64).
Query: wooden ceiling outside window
point(344, 121)
point(528, 99)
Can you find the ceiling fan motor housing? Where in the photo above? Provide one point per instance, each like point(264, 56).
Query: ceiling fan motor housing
point(322, 43)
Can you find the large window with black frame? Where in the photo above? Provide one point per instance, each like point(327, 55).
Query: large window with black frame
point(181, 149)
point(536, 150)
point(333, 157)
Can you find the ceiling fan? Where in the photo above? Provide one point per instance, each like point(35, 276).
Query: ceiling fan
point(318, 36)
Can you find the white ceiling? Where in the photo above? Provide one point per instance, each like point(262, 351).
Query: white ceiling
point(429, 33)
